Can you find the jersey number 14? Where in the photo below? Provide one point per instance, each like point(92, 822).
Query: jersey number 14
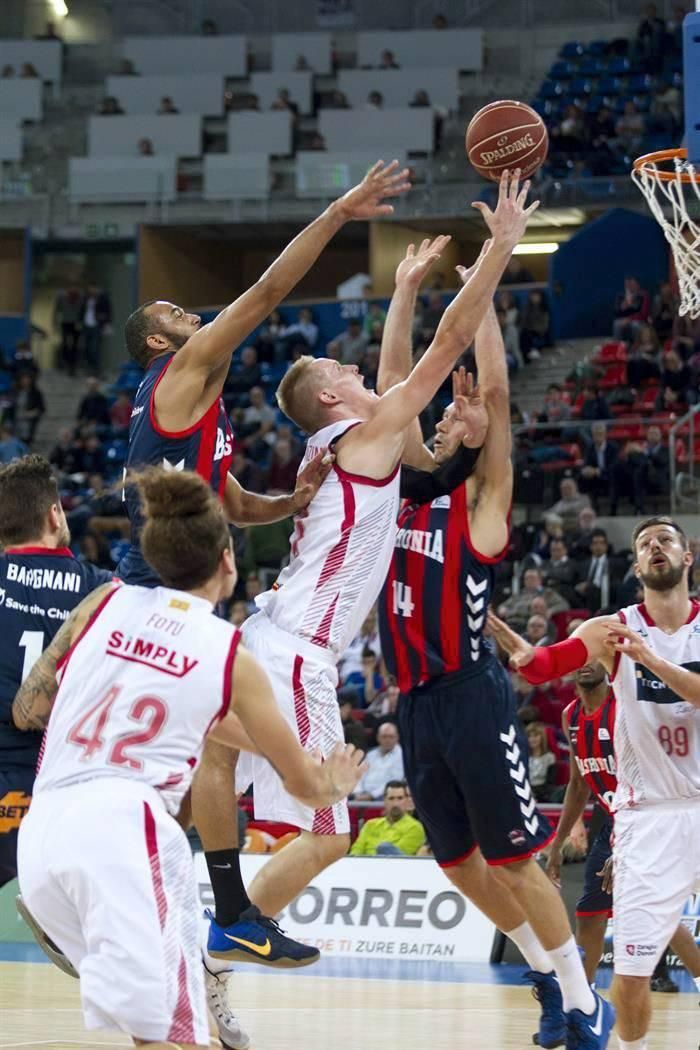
point(403, 599)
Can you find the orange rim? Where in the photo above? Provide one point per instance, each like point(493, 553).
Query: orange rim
point(642, 163)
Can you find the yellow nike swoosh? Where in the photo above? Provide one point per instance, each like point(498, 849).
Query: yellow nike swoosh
point(259, 949)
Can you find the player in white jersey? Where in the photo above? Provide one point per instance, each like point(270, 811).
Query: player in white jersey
point(342, 546)
point(128, 690)
point(652, 654)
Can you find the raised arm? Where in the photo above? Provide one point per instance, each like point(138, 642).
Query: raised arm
point(251, 508)
point(312, 781)
point(209, 349)
point(32, 704)
point(488, 522)
point(593, 640)
point(457, 328)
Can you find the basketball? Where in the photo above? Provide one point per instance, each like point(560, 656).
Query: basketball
point(506, 134)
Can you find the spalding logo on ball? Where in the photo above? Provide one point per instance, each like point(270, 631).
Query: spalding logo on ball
point(506, 134)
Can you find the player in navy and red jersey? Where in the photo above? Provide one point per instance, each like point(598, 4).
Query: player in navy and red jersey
point(41, 582)
point(589, 724)
point(464, 752)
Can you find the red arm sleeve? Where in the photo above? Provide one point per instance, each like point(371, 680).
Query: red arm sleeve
point(554, 661)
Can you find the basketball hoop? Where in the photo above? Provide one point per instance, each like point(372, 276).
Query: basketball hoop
point(671, 185)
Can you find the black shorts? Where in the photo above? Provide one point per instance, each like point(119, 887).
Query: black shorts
point(594, 900)
point(465, 759)
point(15, 795)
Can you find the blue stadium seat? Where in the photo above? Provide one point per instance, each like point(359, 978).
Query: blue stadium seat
point(594, 103)
point(5, 382)
point(642, 102)
point(592, 67)
point(550, 89)
point(609, 85)
point(572, 49)
point(580, 86)
point(115, 452)
point(597, 48)
point(641, 83)
point(539, 106)
point(563, 70)
point(619, 66)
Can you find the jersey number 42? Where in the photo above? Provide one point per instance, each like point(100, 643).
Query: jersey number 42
point(88, 732)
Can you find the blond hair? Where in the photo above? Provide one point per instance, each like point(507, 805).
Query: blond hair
point(296, 395)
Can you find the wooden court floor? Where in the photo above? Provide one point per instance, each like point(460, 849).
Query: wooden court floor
point(39, 1007)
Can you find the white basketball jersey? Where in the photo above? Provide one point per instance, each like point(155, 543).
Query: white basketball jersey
point(340, 553)
point(139, 692)
point(657, 735)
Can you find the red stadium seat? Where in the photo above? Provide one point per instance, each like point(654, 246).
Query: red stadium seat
point(549, 709)
point(613, 351)
point(574, 459)
point(561, 776)
point(647, 401)
point(615, 376)
point(561, 620)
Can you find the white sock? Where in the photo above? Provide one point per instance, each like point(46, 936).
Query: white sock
point(636, 1044)
point(575, 989)
point(525, 938)
point(697, 983)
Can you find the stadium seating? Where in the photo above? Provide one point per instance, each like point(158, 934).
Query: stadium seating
point(10, 139)
point(267, 85)
point(95, 179)
point(398, 86)
point(44, 55)
point(316, 48)
point(173, 54)
point(410, 130)
point(191, 93)
point(460, 48)
point(252, 132)
point(21, 99)
point(177, 135)
point(243, 176)
point(325, 174)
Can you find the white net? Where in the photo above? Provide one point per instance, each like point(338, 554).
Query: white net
point(675, 204)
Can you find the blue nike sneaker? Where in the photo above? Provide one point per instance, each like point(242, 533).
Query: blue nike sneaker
point(590, 1031)
point(545, 988)
point(255, 938)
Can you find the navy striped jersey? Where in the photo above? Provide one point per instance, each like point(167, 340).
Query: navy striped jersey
point(206, 447)
point(593, 747)
point(432, 610)
point(39, 588)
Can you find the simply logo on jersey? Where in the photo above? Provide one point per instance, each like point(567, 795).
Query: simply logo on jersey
point(160, 657)
point(651, 689)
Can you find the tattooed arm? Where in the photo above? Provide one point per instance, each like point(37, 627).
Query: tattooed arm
point(32, 704)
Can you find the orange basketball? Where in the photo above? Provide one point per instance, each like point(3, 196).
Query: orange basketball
point(506, 134)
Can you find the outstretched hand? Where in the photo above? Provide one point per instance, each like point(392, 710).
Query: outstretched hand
point(519, 651)
point(469, 408)
point(508, 222)
point(381, 181)
point(344, 768)
point(310, 479)
point(413, 268)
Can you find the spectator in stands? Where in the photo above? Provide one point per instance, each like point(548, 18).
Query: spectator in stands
point(382, 708)
point(516, 273)
point(350, 344)
point(301, 65)
point(375, 100)
point(642, 469)
point(267, 546)
point(167, 106)
point(368, 681)
point(630, 310)
point(509, 316)
point(516, 609)
point(28, 71)
point(376, 315)
point(353, 731)
point(316, 142)
point(145, 148)
point(244, 374)
point(598, 588)
point(126, 68)
point(368, 637)
point(535, 333)
point(536, 631)
point(554, 410)
point(594, 404)
point(95, 549)
point(602, 125)
point(49, 32)
point(246, 473)
point(387, 60)
point(570, 504)
point(651, 39)
point(95, 318)
point(560, 572)
point(664, 311)
point(670, 97)
point(675, 375)
point(258, 420)
point(10, 446)
point(284, 464)
point(538, 607)
point(674, 30)
point(629, 128)
point(94, 406)
point(542, 764)
point(238, 613)
point(64, 456)
point(110, 107)
point(644, 360)
point(570, 134)
point(67, 312)
point(421, 100)
point(269, 335)
point(550, 530)
point(7, 72)
point(580, 540)
point(396, 834)
point(440, 22)
point(369, 366)
point(92, 456)
point(302, 333)
point(120, 413)
point(27, 409)
point(209, 27)
point(253, 587)
point(599, 459)
point(385, 763)
point(337, 100)
point(434, 309)
point(284, 101)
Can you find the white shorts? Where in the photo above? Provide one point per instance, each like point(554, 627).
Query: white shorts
point(657, 867)
point(304, 679)
point(109, 876)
